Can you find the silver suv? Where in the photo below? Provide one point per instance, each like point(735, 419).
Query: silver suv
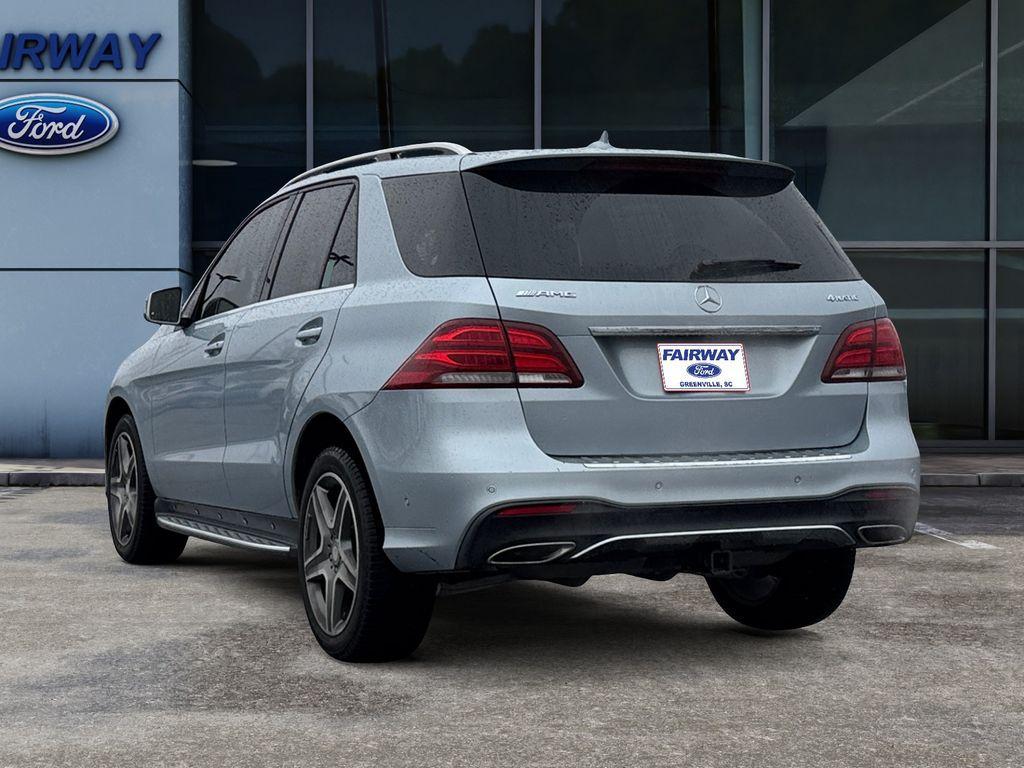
point(425, 366)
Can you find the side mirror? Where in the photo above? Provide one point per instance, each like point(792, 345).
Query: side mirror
point(164, 307)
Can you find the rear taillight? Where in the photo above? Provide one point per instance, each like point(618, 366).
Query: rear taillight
point(867, 351)
point(487, 353)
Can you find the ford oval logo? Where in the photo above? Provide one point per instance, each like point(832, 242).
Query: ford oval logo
point(703, 370)
point(54, 124)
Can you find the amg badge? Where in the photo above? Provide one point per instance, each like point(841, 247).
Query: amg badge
point(546, 294)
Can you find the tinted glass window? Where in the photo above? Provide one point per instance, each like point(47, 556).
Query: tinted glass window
point(1010, 345)
point(732, 222)
point(461, 70)
point(341, 262)
point(432, 224)
point(237, 277)
point(249, 97)
point(1011, 121)
point(937, 302)
point(674, 74)
point(308, 247)
point(880, 108)
point(345, 106)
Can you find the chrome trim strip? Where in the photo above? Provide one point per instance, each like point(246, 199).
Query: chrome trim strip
point(220, 538)
point(713, 532)
point(705, 330)
point(722, 463)
point(563, 548)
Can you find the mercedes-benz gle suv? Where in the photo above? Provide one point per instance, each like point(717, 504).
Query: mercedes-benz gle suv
point(426, 366)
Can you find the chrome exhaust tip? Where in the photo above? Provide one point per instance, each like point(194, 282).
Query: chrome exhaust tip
point(532, 554)
point(882, 534)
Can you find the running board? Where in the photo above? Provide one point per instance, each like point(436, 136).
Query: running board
point(251, 530)
point(221, 535)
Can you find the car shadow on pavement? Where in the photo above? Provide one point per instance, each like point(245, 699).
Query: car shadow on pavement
point(526, 623)
point(533, 623)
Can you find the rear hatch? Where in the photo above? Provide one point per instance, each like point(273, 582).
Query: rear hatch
point(654, 271)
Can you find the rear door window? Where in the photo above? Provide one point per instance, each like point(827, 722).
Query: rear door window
point(341, 260)
point(665, 220)
point(237, 277)
point(308, 249)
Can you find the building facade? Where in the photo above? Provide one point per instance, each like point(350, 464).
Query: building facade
point(903, 119)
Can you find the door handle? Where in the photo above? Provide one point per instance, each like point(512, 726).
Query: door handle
point(310, 332)
point(215, 346)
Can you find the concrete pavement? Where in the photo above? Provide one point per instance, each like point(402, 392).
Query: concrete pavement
point(210, 662)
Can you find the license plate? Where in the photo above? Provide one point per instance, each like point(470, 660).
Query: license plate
point(703, 367)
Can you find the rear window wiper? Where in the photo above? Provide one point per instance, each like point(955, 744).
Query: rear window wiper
point(708, 270)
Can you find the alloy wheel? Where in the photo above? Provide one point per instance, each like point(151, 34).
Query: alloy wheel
point(123, 494)
point(331, 551)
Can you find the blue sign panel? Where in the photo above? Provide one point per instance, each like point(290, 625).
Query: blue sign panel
point(54, 124)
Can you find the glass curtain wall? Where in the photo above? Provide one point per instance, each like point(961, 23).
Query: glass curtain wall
point(1011, 120)
point(673, 74)
point(1010, 346)
point(346, 115)
point(937, 302)
point(904, 121)
point(880, 107)
point(248, 107)
point(389, 72)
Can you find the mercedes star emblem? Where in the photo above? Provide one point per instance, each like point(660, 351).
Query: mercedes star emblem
point(707, 298)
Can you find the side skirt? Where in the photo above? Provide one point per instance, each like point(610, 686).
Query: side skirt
point(248, 530)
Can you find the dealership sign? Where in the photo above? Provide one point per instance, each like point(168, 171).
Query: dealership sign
point(30, 49)
point(54, 124)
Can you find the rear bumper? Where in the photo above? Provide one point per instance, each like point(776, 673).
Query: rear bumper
point(442, 461)
point(600, 538)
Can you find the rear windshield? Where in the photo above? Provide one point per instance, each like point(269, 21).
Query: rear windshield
point(633, 220)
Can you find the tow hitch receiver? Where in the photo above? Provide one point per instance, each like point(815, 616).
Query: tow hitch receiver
point(721, 562)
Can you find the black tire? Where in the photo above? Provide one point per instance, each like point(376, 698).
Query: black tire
point(385, 616)
point(136, 536)
point(802, 590)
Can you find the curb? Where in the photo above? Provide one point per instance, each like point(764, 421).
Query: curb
point(972, 479)
point(48, 479)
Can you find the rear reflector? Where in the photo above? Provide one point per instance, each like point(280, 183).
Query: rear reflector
point(867, 351)
point(474, 352)
point(527, 510)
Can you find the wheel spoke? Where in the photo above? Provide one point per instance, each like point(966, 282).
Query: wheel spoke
point(116, 473)
point(318, 565)
point(323, 511)
point(329, 600)
point(347, 569)
point(132, 506)
point(124, 455)
point(343, 506)
point(118, 512)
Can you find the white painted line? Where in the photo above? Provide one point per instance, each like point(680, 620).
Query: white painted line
point(952, 538)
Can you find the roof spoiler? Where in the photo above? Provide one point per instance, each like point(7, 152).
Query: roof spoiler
point(642, 173)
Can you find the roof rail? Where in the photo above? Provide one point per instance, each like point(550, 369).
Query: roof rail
point(378, 155)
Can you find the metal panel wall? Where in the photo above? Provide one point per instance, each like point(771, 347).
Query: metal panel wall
point(86, 236)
